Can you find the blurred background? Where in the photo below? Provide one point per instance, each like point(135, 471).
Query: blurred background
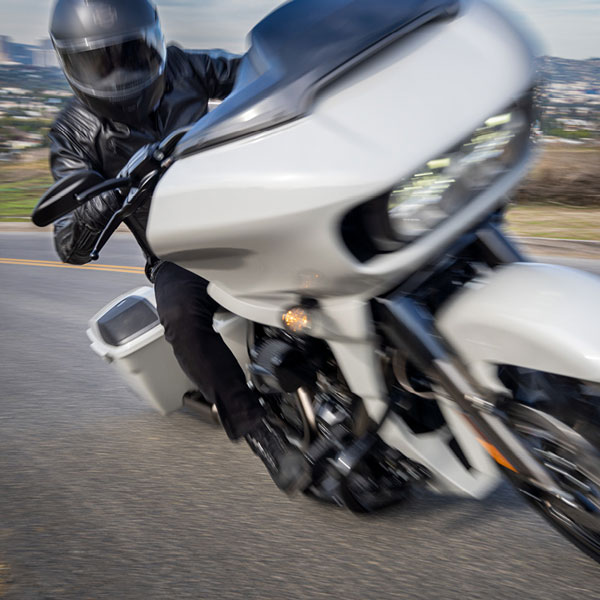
point(561, 198)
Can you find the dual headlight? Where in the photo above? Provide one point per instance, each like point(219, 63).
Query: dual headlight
point(447, 183)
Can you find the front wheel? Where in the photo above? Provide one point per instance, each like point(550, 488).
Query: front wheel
point(559, 420)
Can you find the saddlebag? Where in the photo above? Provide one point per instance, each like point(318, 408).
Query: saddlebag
point(127, 333)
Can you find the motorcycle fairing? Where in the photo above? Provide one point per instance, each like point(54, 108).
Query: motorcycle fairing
point(434, 450)
point(260, 217)
point(298, 49)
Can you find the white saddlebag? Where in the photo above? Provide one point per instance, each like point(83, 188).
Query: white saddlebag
point(127, 333)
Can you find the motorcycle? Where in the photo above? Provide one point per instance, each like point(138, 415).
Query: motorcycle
point(354, 241)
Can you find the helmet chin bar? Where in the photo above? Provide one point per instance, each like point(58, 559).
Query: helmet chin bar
point(132, 110)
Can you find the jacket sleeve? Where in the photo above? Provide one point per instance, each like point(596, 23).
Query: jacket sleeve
point(216, 69)
point(75, 235)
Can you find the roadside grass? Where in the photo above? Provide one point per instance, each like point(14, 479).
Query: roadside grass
point(548, 221)
point(22, 184)
point(560, 198)
point(31, 164)
point(18, 198)
point(563, 176)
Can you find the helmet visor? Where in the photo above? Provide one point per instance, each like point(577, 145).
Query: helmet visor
point(120, 68)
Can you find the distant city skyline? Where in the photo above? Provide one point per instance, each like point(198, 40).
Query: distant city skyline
point(567, 29)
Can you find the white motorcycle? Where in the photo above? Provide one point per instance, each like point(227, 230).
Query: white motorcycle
point(345, 203)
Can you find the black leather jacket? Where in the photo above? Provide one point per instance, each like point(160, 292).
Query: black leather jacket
point(81, 140)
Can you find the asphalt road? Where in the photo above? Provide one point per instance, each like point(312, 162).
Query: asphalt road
point(100, 497)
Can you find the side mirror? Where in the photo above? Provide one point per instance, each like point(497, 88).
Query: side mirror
point(61, 198)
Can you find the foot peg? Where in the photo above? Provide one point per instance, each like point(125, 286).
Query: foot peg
point(198, 404)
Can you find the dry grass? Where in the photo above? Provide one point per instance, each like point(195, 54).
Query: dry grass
point(22, 183)
point(31, 165)
point(564, 175)
point(561, 196)
point(555, 222)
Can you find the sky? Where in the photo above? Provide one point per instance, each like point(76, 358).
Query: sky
point(566, 28)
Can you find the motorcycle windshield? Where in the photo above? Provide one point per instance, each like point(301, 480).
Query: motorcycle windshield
point(298, 49)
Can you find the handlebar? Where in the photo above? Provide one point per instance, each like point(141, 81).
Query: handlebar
point(140, 175)
point(133, 201)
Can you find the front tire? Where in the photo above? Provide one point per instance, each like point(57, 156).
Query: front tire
point(559, 420)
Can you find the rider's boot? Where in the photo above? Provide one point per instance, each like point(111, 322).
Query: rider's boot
point(286, 464)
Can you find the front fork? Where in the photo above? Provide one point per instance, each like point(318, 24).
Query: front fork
point(410, 327)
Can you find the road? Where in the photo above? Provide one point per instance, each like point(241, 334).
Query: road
point(103, 498)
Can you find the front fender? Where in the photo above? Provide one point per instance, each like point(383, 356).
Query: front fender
point(536, 316)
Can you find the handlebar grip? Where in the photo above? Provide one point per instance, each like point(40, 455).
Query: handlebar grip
point(105, 186)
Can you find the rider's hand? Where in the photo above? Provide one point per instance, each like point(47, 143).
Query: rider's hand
point(99, 210)
point(75, 235)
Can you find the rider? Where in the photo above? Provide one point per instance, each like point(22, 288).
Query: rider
point(130, 91)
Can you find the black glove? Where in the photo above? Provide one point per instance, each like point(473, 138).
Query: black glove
point(76, 234)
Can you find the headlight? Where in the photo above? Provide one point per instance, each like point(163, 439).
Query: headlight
point(449, 182)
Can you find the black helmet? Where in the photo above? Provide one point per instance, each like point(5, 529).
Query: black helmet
point(113, 55)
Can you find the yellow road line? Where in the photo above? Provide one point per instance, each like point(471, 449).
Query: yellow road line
point(59, 265)
point(55, 262)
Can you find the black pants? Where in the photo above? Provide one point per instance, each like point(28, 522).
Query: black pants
point(186, 312)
